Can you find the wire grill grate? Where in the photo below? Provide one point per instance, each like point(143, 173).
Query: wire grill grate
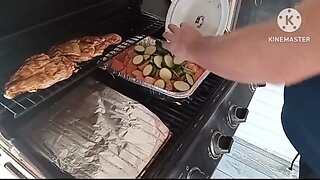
point(26, 102)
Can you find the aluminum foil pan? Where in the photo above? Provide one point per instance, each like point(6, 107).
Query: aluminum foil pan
point(96, 132)
point(177, 95)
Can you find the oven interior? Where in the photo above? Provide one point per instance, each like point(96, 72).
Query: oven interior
point(58, 21)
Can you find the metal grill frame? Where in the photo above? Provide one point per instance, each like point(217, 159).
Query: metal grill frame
point(17, 106)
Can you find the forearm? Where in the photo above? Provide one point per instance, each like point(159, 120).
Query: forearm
point(247, 55)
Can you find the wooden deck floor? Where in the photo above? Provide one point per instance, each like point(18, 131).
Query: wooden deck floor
point(249, 161)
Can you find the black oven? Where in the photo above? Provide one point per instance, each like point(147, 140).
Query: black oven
point(202, 125)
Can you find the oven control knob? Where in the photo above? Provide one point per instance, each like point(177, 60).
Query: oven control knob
point(196, 173)
point(237, 115)
point(253, 87)
point(220, 144)
point(262, 85)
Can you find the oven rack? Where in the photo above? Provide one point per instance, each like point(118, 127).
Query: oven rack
point(28, 101)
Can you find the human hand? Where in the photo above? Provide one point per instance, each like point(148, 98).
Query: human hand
point(182, 40)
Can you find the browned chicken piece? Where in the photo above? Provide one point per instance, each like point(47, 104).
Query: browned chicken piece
point(39, 72)
point(42, 71)
point(72, 58)
point(87, 46)
point(92, 40)
point(99, 50)
point(87, 51)
point(109, 39)
point(91, 46)
point(31, 65)
point(112, 38)
point(84, 48)
point(70, 48)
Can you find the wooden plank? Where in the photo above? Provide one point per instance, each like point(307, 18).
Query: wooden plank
point(259, 150)
point(237, 169)
point(265, 134)
point(269, 97)
point(248, 161)
point(275, 144)
point(218, 174)
point(265, 123)
point(269, 111)
point(269, 100)
point(275, 87)
point(270, 164)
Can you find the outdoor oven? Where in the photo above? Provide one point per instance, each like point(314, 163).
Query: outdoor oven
point(66, 131)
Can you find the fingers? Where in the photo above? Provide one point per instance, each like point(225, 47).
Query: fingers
point(173, 28)
point(168, 36)
point(166, 45)
point(183, 24)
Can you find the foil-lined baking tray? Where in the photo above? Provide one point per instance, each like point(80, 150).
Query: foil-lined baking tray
point(96, 132)
point(177, 95)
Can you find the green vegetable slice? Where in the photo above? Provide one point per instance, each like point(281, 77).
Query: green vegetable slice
point(149, 70)
point(157, 60)
point(150, 50)
point(146, 57)
point(178, 71)
point(137, 60)
point(189, 79)
point(181, 86)
point(165, 74)
point(178, 61)
point(160, 83)
point(139, 49)
point(167, 61)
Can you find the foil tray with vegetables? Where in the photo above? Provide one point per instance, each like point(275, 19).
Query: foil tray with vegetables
point(148, 64)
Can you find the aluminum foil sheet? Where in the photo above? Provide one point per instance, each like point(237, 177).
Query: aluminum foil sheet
point(96, 132)
point(178, 95)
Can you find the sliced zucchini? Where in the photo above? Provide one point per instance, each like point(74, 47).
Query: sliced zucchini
point(139, 49)
point(167, 61)
point(175, 75)
point(183, 78)
point(181, 86)
point(160, 83)
point(188, 71)
point(146, 57)
point(137, 60)
point(143, 65)
point(189, 79)
point(157, 60)
point(178, 61)
point(178, 71)
point(165, 74)
point(150, 50)
point(149, 70)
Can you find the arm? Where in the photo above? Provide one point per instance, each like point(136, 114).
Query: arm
point(247, 56)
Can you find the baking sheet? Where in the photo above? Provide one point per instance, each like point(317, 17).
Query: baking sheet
point(178, 95)
point(96, 132)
